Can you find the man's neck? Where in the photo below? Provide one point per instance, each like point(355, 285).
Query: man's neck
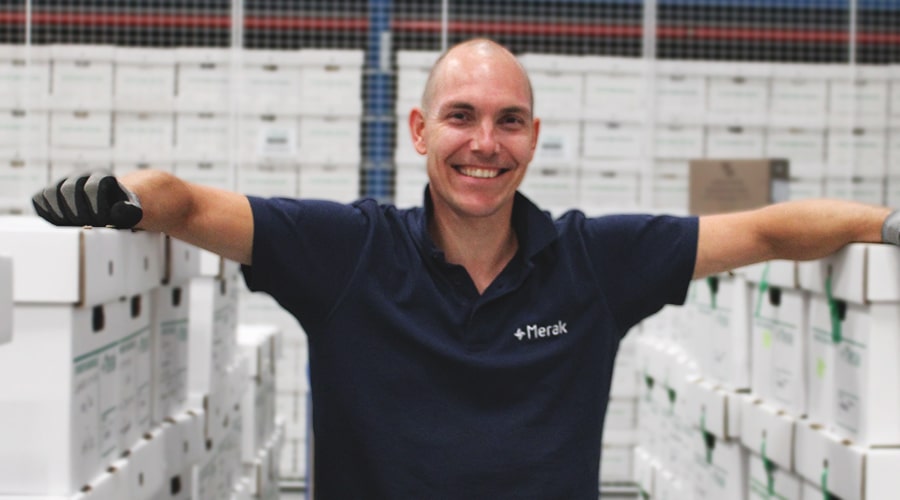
point(482, 245)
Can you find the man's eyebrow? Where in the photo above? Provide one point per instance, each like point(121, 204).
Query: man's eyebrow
point(463, 105)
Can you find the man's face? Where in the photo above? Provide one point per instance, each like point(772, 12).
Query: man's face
point(478, 132)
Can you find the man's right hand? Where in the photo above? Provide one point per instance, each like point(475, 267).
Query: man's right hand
point(94, 199)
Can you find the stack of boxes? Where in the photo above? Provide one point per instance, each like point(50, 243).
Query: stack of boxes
point(617, 133)
point(271, 123)
point(807, 403)
point(131, 381)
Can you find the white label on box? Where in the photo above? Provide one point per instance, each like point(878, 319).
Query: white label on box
point(796, 145)
point(613, 140)
point(679, 141)
point(803, 97)
point(81, 129)
point(734, 142)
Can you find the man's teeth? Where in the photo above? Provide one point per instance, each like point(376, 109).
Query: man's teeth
point(481, 173)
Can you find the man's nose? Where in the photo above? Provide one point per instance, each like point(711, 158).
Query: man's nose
point(484, 139)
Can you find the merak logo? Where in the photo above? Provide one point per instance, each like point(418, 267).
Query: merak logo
point(535, 331)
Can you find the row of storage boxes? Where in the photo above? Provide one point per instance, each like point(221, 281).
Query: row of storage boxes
point(811, 150)
point(658, 186)
point(85, 77)
point(20, 180)
point(709, 442)
point(814, 339)
point(116, 332)
point(735, 93)
point(135, 136)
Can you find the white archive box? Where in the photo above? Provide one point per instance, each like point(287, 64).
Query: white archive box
point(271, 82)
point(269, 138)
point(799, 95)
point(204, 136)
point(800, 188)
point(860, 151)
point(777, 343)
point(212, 330)
point(681, 90)
point(721, 306)
point(804, 148)
point(685, 141)
point(614, 139)
point(765, 481)
point(25, 132)
point(894, 86)
point(170, 323)
point(721, 468)
point(331, 82)
point(559, 143)
point(815, 277)
point(20, 179)
point(144, 79)
point(737, 91)
point(615, 88)
point(604, 190)
point(866, 400)
point(858, 96)
point(551, 187)
point(258, 415)
point(85, 265)
point(413, 67)
point(337, 182)
point(143, 136)
point(409, 184)
point(268, 180)
point(80, 129)
point(767, 431)
point(6, 299)
point(863, 189)
point(712, 409)
point(66, 162)
point(144, 258)
point(59, 428)
point(204, 80)
point(846, 470)
point(893, 149)
point(134, 369)
point(82, 77)
point(214, 173)
point(558, 85)
point(146, 471)
point(24, 76)
point(735, 141)
point(616, 464)
point(330, 139)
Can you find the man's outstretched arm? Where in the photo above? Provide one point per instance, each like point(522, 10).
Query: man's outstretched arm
point(795, 230)
point(216, 220)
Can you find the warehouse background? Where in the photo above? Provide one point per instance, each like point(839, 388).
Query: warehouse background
point(310, 99)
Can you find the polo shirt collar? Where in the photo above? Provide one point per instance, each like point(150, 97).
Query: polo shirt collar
point(534, 227)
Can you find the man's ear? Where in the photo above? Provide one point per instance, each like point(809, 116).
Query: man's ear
point(417, 129)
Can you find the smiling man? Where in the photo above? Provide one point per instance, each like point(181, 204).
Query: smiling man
point(463, 349)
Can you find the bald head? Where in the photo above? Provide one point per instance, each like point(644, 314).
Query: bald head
point(475, 51)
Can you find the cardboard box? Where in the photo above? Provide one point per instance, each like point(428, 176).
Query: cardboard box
point(558, 83)
point(767, 432)
point(59, 427)
point(614, 139)
point(26, 76)
point(559, 144)
point(86, 267)
point(204, 79)
point(144, 80)
point(337, 182)
point(82, 77)
point(20, 179)
point(766, 481)
point(171, 313)
point(6, 299)
point(731, 185)
point(330, 139)
point(331, 83)
point(272, 81)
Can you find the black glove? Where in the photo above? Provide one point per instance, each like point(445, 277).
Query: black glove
point(93, 199)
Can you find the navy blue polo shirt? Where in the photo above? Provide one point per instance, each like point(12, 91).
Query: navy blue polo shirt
point(422, 388)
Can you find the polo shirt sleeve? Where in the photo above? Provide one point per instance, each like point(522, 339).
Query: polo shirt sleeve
point(304, 253)
point(643, 262)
